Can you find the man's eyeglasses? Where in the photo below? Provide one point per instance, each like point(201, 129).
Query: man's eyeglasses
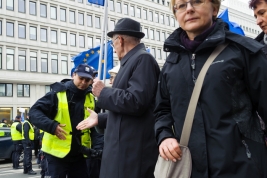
point(111, 44)
point(181, 6)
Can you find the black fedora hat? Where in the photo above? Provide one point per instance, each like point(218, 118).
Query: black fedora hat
point(127, 26)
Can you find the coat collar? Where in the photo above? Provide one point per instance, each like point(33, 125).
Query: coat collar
point(138, 47)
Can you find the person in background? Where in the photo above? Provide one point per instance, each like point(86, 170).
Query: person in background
point(113, 72)
point(16, 135)
point(27, 142)
point(3, 123)
point(130, 149)
point(226, 139)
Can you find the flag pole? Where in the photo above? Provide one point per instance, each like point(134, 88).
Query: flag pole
point(106, 44)
point(102, 39)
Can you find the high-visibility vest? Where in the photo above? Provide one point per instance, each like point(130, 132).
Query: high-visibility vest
point(31, 131)
point(51, 144)
point(3, 125)
point(15, 135)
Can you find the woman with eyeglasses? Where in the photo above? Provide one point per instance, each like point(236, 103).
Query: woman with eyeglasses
point(226, 138)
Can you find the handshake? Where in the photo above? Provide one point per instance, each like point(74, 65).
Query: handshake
point(92, 153)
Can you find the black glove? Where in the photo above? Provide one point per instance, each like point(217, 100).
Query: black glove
point(92, 153)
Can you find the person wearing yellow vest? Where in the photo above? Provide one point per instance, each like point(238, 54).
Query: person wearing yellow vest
point(16, 136)
point(57, 114)
point(3, 123)
point(27, 142)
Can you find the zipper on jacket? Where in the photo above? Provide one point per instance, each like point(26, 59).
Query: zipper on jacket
point(193, 66)
point(247, 150)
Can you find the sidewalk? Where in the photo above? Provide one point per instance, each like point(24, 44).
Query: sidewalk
point(5, 165)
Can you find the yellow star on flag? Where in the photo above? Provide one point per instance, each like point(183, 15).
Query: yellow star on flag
point(92, 52)
point(84, 60)
point(87, 55)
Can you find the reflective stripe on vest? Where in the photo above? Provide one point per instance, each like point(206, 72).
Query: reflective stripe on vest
point(15, 135)
point(31, 131)
point(60, 148)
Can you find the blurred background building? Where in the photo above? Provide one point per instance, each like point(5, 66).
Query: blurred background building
point(38, 38)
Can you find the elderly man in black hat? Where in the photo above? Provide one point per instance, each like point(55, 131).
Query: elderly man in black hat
point(130, 149)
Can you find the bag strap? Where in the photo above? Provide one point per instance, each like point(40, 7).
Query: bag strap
point(195, 95)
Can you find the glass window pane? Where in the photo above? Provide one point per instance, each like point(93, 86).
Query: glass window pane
point(10, 29)
point(22, 31)
point(26, 90)
point(63, 15)
point(118, 7)
point(144, 14)
point(72, 16)
point(20, 90)
point(44, 63)
point(97, 22)
point(43, 11)
point(54, 63)
point(10, 5)
point(53, 36)
point(138, 12)
point(10, 59)
point(21, 6)
point(90, 42)
point(0, 58)
point(72, 39)
point(53, 12)
point(63, 37)
point(64, 64)
point(132, 11)
point(111, 5)
point(33, 61)
point(89, 21)
point(0, 27)
point(9, 90)
point(22, 60)
point(33, 33)
point(81, 41)
point(80, 18)
point(32, 8)
point(43, 35)
point(47, 88)
point(125, 9)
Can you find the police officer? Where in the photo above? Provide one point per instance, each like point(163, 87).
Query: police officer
point(58, 113)
point(27, 141)
point(16, 130)
point(3, 123)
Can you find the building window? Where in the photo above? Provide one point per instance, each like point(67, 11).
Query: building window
point(6, 89)
point(32, 8)
point(54, 63)
point(33, 33)
point(72, 16)
point(63, 38)
point(90, 42)
point(138, 12)
point(64, 64)
point(23, 90)
point(111, 25)
point(0, 27)
point(125, 9)
point(22, 60)
point(10, 29)
point(97, 41)
point(111, 5)
point(1, 4)
point(81, 41)
point(47, 88)
point(157, 17)
point(172, 22)
point(53, 12)
point(97, 22)
point(132, 11)
point(33, 61)
point(63, 15)
point(152, 34)
point(89, 20)
point(167, 20)
point(161, 19)
point(10, 59)
point(150, 16)
point(157, 35)
point(43, 11)
point(80, 1)
point(22, 31)
point(145, 14)
point(44, 62)
point(43, 33)
point(152, 51)
point(118, 7)
point(0, 58)
point(163, 36)
point(80, 18)
point(159, 54)
point(72, 39)
point(53, 36)
point(10, 5)
point(146, 32)
point(21, 6)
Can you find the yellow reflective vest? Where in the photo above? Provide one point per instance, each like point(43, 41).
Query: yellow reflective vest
point(51, 144)
point(3, 125)
point(15, 135)
point(31, 131)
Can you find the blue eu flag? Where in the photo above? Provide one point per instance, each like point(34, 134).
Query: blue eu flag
point(91, 57)
point(233, 27)
point(22, 116)
point(97, 2)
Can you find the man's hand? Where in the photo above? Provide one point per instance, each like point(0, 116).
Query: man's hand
point(98, 85)
point(60, 133)
point(169, 150)
point(89, 122)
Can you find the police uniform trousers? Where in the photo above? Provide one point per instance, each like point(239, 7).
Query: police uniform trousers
point(27, 161)
point(16, 153)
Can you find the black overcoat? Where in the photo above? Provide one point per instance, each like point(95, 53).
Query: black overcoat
point(130, 149)
point(226, 140)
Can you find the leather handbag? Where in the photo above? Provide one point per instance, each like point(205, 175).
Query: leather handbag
point(183, 168)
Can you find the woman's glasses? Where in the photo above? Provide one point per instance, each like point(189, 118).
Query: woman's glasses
point(181, 6)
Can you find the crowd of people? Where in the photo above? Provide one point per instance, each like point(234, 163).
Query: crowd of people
point(92, 130)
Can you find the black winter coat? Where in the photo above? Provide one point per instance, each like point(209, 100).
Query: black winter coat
point(43, 112)
point(226, 128)
point(130, 149)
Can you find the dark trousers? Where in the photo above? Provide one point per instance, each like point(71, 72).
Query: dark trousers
point(27, 162)
point(93, 167)
point(16, 154)
point(59, 168)
point(36, 147)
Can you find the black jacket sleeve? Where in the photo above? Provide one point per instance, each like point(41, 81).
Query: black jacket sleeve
point(97, 139)
point(26, 129)
point(19, 128)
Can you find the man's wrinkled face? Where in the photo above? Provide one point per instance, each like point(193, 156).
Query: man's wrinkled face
point(81, 83)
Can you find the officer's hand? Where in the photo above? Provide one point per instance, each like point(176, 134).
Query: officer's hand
point(90, 122)
point(98, 85)
point(169, 150)
point(60, 133)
